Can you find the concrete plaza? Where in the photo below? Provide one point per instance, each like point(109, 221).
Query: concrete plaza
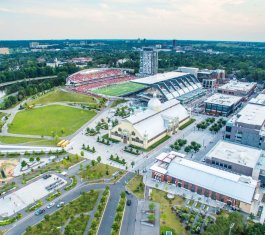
point(20, 199)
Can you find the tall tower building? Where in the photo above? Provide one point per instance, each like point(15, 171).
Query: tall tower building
point(148, 61)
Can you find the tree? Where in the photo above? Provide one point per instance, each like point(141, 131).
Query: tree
point(132, 163)
point(31, 159)
point(187, 149)
point(82, 153)
point(151, 206)
point(93, 162)
point(23, 164)
point(98, 159)
point(151, 217)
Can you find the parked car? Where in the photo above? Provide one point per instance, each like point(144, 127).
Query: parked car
point(50, 205)
point(46, 177)
point(39, 211)
point(129, 202)
point(60, 204)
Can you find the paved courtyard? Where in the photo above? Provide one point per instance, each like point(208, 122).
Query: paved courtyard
point(141, 228)
point(20, 199)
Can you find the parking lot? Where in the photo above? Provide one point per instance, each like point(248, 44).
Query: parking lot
point(20, 199)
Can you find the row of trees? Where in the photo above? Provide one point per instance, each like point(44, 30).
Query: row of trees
point(33, 69)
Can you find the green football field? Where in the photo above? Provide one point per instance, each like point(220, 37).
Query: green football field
point(50, 121)
point(119, 89)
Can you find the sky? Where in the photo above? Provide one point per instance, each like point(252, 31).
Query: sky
point(232, 20)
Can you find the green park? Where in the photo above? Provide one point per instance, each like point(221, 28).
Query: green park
point(50, 120)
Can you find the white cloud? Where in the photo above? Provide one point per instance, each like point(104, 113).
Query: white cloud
point(190, 19)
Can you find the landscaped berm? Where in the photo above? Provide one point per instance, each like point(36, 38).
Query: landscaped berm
point(59, 95)
point(54, 120)
point(119, 89)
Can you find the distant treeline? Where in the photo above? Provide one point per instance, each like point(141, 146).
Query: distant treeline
point(26, 89)
point(32, 70)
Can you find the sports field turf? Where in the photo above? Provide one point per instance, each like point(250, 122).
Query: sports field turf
point(50, 121)
point(62, 96)
point(119, 89)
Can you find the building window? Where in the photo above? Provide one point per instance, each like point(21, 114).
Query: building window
point(133, 133)
point(213, 196)
point(213, 162)
point(199, 190)
point(186, 185)
point(225, 165)
point(229, 167)
point(228, 128)
point(221, 164)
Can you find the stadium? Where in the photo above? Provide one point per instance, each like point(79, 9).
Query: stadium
point(86, 80)
point(115, 82)
point(171, 85)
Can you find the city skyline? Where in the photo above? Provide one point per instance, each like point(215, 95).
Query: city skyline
point(228, 20)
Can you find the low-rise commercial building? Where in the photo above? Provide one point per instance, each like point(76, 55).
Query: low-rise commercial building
point(239, 191)
point(234, 157)
point(247, 127)
point(224, 105)
point(244, 89)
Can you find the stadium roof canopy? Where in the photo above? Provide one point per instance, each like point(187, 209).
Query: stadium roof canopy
point(160, 77)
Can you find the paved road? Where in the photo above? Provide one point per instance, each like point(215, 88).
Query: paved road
point(108, 218)
point(128, 222)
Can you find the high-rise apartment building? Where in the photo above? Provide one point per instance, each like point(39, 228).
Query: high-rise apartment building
point(148, 61)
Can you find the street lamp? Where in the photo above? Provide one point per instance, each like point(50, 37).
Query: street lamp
point(230, 228)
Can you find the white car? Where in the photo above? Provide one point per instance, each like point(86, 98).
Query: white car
point(50, 205)
point(60, 204)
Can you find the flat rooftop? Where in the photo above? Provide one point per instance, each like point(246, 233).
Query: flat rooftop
point(160, 77)
point(238, 86)
point(223, 99)
point(226, 183)
point(235, 153)
point(252, 114)
point(260, 100)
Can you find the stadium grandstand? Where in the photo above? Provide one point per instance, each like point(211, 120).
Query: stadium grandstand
point(184, 87)
point(85, 80)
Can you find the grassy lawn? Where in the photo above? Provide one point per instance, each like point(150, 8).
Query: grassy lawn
point(119, 89)
point(50, 121)
point(59, 95)
point(27, 141)
point(2, 115)
point(167, 218)
point(136, 186)
point(98, 171)
point(117, 102)
point(191, 202)
point(198, 205)
point(72, 212)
